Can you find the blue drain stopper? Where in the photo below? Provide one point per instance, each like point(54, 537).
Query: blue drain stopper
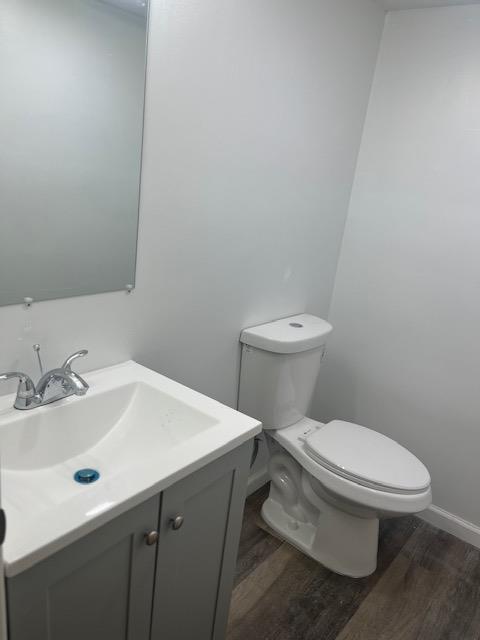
point(86, 476)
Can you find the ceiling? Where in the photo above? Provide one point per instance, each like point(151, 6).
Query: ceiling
point(417, 4)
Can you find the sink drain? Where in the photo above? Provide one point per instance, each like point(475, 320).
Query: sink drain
point(86, 476)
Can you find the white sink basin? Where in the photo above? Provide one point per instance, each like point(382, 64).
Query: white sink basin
point(140, 430)
point(124, 423)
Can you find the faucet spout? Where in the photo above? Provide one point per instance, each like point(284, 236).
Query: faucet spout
point(78, 384)
point(69, 379)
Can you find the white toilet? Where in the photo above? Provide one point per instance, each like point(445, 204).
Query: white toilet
point(330, 483)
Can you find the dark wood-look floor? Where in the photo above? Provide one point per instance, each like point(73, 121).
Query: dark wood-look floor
point(426, 587)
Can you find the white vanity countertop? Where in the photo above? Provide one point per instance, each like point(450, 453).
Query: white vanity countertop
point(139, 429)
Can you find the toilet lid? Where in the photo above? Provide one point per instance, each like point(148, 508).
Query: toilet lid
point(367, 457)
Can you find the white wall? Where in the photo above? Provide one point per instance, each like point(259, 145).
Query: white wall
point(254, 117)
point(405, 355)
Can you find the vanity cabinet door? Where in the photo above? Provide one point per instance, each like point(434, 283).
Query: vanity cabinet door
point(99, 588)
point(200, 526)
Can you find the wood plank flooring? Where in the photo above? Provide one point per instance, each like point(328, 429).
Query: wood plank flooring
point(426, 587)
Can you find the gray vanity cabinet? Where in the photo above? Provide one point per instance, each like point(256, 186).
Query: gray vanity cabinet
point(98, 588)
point(196, 562)
point(113, 585)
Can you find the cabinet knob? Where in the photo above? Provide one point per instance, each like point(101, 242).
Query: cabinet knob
point(176, 522)
point(151, 538)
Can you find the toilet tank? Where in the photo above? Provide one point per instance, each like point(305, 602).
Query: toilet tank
point(279, 368)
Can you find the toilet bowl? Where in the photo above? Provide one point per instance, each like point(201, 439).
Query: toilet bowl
point(329, 514)
point(330, 483)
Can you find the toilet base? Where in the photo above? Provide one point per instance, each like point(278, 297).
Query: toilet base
point(341, 542)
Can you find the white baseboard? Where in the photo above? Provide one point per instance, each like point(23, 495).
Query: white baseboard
point(466, 531)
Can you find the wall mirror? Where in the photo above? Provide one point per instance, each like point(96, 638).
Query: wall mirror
point(72, 76)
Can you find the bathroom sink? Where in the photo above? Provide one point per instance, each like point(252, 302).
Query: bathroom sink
point(141, 431)
point(123, 424)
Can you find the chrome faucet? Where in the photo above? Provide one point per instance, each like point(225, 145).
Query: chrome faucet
point(53, 385)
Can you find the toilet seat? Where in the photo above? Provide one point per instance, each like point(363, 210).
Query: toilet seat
point(390, 502)
point(366, 457)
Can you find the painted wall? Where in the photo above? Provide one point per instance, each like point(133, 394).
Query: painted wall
point(405, 355)
point(254, 117)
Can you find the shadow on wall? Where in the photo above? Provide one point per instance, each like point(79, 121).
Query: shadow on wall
point(335, 388)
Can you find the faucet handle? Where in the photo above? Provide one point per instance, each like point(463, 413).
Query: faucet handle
point(25, 385)
point(67, 365)
point(26, 392)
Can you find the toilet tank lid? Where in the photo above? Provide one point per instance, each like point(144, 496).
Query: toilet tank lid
point(288, 335)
